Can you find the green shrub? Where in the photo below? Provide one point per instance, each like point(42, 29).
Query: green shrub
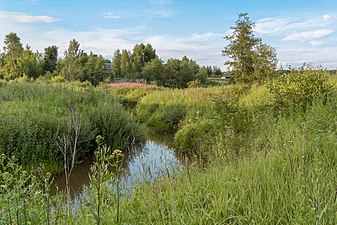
point(300, 87)
point(196, 137)
point(167, 118)
point(111, 122)
point(57, 79)
point(257, 97)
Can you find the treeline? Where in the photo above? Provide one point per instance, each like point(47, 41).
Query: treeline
point(17, 61)
point(142, 64)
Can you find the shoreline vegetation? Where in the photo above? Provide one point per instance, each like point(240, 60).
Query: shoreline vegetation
point(262, 154)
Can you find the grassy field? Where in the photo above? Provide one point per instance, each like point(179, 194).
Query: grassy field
point(262, 155)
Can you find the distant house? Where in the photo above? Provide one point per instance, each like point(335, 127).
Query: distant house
point(107, 67)
point(226, 76)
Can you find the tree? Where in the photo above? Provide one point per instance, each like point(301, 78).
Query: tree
point(216, 71)
point(125, 63)
point(188, 70)
point(94, 69)
point(50, 58)
point(149, 53)
point(177, 73)
point(153, 71)
point(202, 74)
point(141, 55)
point(13, 46)
point(29, 64)
point(247, 52)
point(71, 63)
point(265, 62)
point(17, 61)
point(138, 58)
point(116, 64)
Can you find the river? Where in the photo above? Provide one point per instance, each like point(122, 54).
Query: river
point(155, 159)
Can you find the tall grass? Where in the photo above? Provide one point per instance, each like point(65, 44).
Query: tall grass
point(289, 178)
point(265, 164)
point(34, 117)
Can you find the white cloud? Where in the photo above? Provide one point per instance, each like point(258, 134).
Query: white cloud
point(316, 43)
point(163, 13)
point(25, 18)
point(110, 15)
point(159, 9)
point(308, 35)
point(204, 37)
point(271, 25)
point(327, 18)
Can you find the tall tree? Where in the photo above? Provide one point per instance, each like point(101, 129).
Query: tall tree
point(50, 58)
point(125, 63)
point(72, 65)
point(240, 48)
point(247, 52)
point(17, 61)
point(116, 64)
point(188, 70)
point(149, 53)
point(13, 46)
point(138, 58)
point(94, 69)
point(265, 62)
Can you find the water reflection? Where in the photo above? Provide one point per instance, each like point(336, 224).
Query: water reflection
point(154, 160)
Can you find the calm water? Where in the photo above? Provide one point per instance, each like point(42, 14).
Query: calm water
point(154, 160)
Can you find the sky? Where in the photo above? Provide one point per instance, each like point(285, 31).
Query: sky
point(301, 31)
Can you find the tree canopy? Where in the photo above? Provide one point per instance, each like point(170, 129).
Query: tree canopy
point(250, 59)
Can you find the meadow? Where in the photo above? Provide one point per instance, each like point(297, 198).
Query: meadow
point(258, 154)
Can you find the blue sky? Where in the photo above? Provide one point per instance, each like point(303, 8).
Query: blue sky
point(300, 30)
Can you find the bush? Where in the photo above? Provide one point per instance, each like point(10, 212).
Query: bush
point(167, 118)
point(196, 137)
point(257, 97)
point(58, 79)
point(300, 87)
point(112, 123)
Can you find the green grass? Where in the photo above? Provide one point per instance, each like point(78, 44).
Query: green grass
point(259, 164)
point(289, 178)
point(33, 119)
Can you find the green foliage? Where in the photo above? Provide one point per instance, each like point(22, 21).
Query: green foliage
point(177, 73)
point(282, 172)
point(194, 138)
point(113, 124)
point(116, 64)
point(194, 84)
point(94, 69)
point(153, 71)
point(50, 59)
point(300, 87)
point(17, 61)
point(258, 97)
point(34, 117)
point(251, 60)
point(167, 118)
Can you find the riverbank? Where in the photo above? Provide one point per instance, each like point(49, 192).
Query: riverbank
point(262, 155)
point(42, 124)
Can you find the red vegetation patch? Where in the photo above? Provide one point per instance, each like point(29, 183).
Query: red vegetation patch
point(129, 84)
